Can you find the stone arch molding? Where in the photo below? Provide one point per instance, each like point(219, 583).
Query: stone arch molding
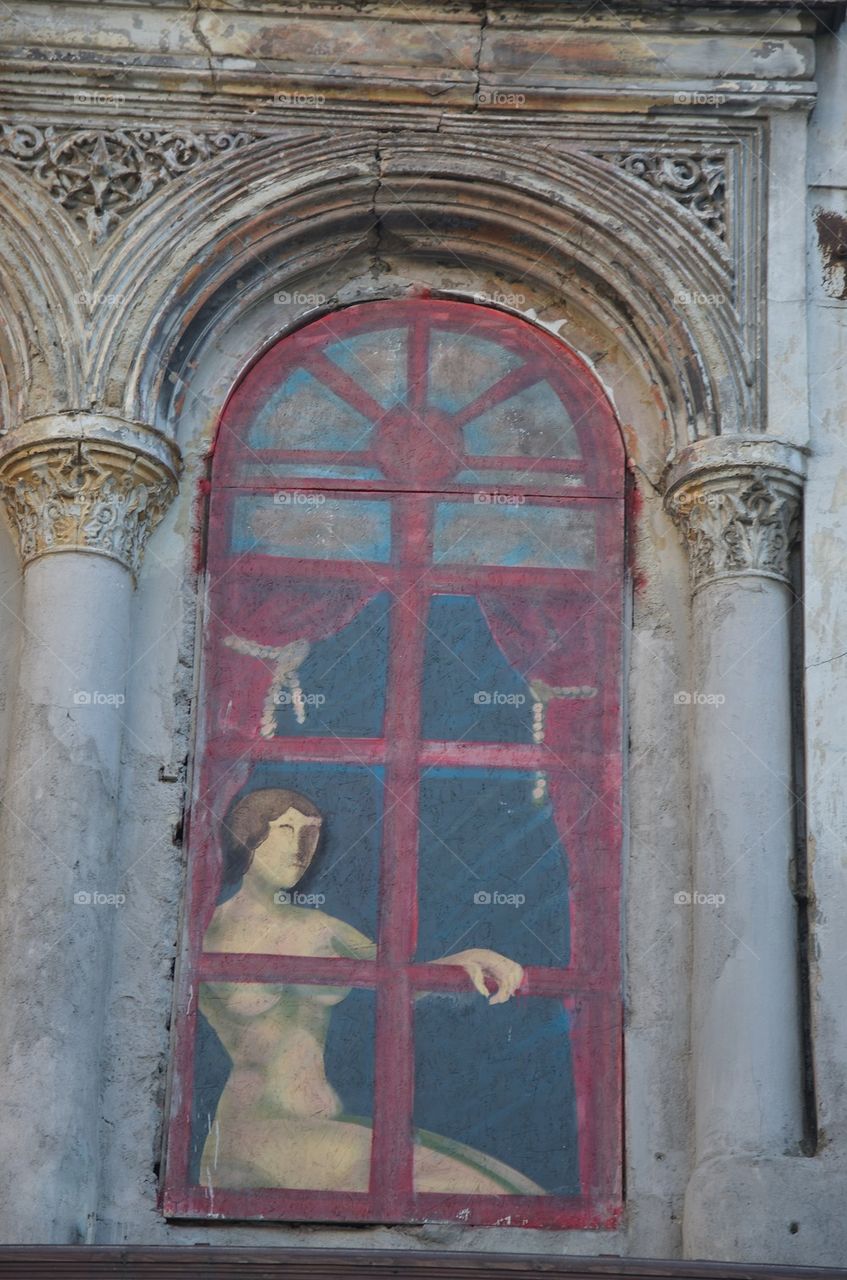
point(44, 273)
point(125, 320)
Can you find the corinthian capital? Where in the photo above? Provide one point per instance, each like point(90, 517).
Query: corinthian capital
point(736, 501)
point(84, 482)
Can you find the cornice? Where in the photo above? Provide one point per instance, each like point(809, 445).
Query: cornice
point(469, 55)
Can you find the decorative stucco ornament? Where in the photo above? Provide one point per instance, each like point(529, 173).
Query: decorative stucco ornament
point(738, 522)
point(98, 175)
point(696, 181)
point(85, 495)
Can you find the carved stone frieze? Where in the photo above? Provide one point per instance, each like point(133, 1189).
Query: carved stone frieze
point(737, 521)
point(698, 182)
point(85, 494)
point(100, 174)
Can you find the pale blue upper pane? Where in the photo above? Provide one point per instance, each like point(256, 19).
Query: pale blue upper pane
point(377, 361)
point(532, 424)
point(513, 536)
point(462, 366)
point(312, 527)
point(304, 414)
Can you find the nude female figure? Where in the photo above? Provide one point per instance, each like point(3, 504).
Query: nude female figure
point(279, 1122)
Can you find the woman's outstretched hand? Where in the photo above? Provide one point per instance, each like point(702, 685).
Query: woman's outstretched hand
point(479, 964)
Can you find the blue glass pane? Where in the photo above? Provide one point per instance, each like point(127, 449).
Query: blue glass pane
point(377, 361)
point(469, 689)
point(532, 424)
point(312, 526)
point(342, 681)
point(513, 535)
point(304, 414)
point(492, 875)
point(499, 1081)
point(462, 366)
point(491, 868)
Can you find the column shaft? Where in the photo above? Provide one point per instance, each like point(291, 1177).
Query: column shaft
point(58, 891)
point(745, 1028)
point(83, 494)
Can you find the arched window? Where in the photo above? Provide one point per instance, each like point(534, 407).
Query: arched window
point(400, 991)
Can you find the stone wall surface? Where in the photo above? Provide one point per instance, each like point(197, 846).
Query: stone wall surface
point(662, 186)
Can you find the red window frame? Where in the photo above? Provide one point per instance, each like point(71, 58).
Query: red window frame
point(590, 984)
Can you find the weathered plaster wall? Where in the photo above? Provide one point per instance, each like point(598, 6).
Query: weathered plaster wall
point(826, 603)
point(173, 62)
point(10, 637)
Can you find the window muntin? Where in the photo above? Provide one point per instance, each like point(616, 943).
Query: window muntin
point(366, 552)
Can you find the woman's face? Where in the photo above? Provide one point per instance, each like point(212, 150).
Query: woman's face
point(283, 857)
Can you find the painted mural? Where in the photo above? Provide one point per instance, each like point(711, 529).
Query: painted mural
point(400, 988)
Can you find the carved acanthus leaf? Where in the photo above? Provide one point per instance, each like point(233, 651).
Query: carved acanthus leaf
point(99, 175)
point(85, 496)
point(737, 525)
point(696, 181)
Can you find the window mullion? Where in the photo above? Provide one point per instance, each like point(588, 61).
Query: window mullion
point(392, 1153)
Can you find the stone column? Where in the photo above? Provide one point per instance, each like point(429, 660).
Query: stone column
point(82, 493)
point(736, 501)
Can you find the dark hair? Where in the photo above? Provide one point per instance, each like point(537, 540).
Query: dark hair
point(248, 821)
